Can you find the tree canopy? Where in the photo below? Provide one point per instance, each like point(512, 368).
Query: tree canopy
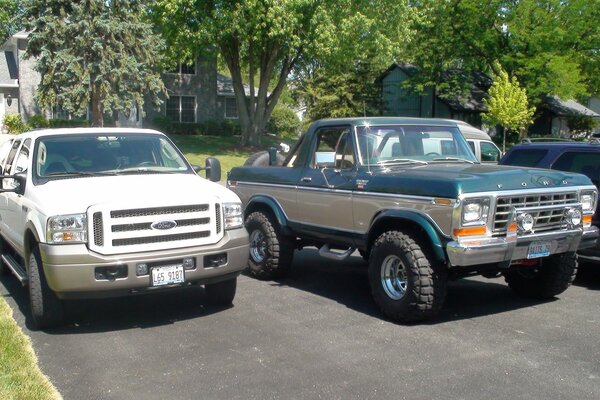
point(550, 46)
point(98, 54)
point(10, 18)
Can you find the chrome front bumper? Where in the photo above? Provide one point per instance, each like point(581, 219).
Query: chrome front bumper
point(498, 250)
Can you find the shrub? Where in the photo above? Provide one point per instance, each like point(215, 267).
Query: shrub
point(15, 124)
point(68, 123)
point(284, 123)
point(209, 127)
point(38, 121)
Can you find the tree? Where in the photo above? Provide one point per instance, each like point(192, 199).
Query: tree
point(551, 46)
point(508, 106)
point(262, 39)
point(98, 54)
point(10, 18)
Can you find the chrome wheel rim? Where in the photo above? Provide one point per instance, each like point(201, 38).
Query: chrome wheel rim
point(258, 246)
point(393, 277)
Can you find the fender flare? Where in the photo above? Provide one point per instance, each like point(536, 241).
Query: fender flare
point(436, 237)
point(262, 202)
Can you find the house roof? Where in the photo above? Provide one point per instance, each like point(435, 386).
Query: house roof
point(564, 108)
point(225, 86)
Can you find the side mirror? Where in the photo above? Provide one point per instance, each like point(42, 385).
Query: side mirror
point(19, 183)
point(213, 169)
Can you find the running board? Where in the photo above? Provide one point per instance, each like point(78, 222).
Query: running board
point(326, 252)
point(16, 268)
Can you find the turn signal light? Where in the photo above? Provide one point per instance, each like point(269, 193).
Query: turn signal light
point(587, 220)
point(470, 231)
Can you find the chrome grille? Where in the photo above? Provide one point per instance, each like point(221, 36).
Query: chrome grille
point(159, 239)
point(544, 220)
point(98, 229)
point(145, 212)
point(218, 217)
point(146, 226)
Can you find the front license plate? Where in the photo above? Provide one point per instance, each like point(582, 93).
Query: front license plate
point(167, 275)
point(538, 249)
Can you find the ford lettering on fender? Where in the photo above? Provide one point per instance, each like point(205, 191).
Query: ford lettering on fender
point(410, 196)
point(109, 212)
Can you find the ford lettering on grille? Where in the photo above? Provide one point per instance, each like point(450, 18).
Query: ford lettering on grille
point(163, 225)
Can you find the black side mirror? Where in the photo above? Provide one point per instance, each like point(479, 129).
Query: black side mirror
point(213, 169)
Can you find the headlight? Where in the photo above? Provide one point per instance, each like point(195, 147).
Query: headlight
point(63, 229)
point(232, 215)
point(588, 200)
point(475, 212)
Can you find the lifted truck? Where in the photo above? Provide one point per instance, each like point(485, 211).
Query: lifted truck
point(410, 195)
point(102, 212)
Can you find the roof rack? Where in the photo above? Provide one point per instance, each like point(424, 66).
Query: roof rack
point(542, 139)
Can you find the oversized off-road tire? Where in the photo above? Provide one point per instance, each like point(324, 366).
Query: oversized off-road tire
point(221, 293)
point(271, 253)
point(47, 310)
point(261, 159)
point(406, 282)
point(3, 268)
point(551, 277)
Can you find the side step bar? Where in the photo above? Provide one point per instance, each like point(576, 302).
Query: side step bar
point(326, 252)
point(16, 268)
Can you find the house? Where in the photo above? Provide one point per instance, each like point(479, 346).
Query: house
point(552, 116)
point(400, 101)
point(196, 92)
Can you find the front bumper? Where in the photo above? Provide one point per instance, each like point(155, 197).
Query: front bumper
point(503, 250)
point(70, 269)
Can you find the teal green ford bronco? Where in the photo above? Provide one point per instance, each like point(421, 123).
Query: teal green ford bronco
point(410, 196)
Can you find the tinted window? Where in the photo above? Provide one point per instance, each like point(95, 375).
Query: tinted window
point(581, 162)
point(525, 157)
point(489, 152)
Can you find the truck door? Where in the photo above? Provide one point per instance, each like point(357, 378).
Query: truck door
point(16, 210)
point(324, 190)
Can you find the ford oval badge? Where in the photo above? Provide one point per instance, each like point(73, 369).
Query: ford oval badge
point(163, 225)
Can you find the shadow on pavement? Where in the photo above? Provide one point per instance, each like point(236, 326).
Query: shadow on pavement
point(346, 282)
point(588, 276)
point(113, 314)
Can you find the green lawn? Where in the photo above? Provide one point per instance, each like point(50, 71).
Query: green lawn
point(20, 377)
point(225, 148)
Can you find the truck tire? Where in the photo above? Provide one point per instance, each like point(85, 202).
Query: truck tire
point(271, 253)
point(552, 277)
point(406, 283)
point(261, 159)
point(47, 309)
point(3, 268)
point(221, 293)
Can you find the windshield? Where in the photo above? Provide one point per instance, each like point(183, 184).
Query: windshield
point(398, 144)
point(69, 155)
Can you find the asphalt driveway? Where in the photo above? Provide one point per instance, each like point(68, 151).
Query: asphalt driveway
point(318, 334)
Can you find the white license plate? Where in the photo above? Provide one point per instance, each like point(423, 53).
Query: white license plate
point(538, 249)
point(167, 275)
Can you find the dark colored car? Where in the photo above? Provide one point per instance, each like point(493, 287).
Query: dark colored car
point(580, 157)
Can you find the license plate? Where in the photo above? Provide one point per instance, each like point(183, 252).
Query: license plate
point(167, 275)
point(538, 249)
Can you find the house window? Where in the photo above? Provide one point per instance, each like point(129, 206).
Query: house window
point(181, 108)
point(231, 110)
point(185, 68)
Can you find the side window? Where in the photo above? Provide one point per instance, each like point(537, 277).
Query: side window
point(525, 157)
point(327, 141)
point(581, 162)
point(4, 150)
point(11, 156)
point(22, 160)
point(489, 152)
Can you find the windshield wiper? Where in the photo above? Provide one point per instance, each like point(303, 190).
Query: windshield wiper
point(78, 173)
point(403, 161)
point(453, 159)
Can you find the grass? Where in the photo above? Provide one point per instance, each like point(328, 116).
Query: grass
point(20, 377)
point(226, 149)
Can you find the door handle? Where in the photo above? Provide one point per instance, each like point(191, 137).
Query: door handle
point(306, 179)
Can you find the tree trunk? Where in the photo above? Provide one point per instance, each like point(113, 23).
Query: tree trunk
point(96, 105)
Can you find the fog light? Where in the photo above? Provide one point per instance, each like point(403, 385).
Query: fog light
point(525, 222)
point(573, 216)
point(189, 263)
point(141, 269)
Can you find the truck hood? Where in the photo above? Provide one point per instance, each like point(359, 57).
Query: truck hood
point(453, 179)
point(76, 195)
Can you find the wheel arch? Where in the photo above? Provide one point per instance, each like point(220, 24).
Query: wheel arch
point(30, 239)
point(421, 226)
point(268, 205)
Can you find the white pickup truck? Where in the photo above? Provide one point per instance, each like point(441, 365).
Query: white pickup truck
point(103, 212)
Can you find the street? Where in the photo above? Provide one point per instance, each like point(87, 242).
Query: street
point(318, 334)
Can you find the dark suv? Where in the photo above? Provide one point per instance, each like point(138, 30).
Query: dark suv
point(580, 157)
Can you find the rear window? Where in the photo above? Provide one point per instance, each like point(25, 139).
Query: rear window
point(581, 162)
point(525, 157)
